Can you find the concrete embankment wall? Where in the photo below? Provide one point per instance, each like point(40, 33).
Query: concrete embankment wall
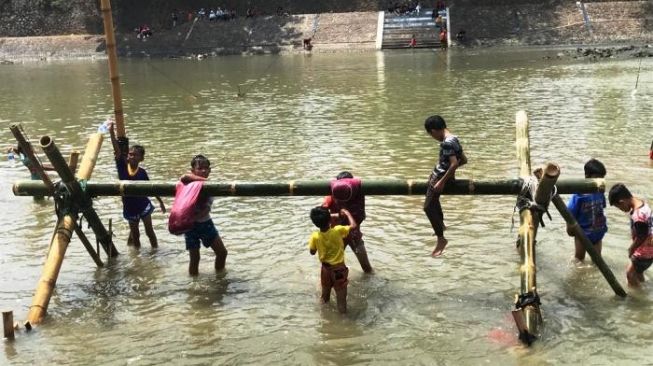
point(51, 47)
point(327, 31)
point(546, 23)
point(505, 22)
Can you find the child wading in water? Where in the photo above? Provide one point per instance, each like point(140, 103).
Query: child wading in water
point(330, 248)
point(203, 229)
point(134, 209)
point(451, 157)
point(641, 229)
point(587, 209)
point(346, 193)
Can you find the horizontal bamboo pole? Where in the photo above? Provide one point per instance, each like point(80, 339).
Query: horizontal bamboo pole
point(73, 160)
point(589, 247)
point(314, 188)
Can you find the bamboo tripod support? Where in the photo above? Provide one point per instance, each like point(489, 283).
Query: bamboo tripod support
point(66, 225)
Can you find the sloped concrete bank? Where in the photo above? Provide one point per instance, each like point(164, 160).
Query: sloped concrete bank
point(328, 32)
point(517, 23)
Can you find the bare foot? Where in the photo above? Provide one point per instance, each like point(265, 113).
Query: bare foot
point(439, 247)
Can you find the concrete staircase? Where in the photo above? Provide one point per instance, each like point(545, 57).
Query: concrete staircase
point(399, 29)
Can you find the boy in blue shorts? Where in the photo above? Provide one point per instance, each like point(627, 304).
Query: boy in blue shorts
point(134, 209)
point(329, 245)
point(587, 209)
point(203, 230)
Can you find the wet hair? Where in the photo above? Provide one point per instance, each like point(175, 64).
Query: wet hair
point(320, 216)
point(344, 174)
point(617, 193)
point(594, 168)
point(434, 122)
point(199, 160)
point(139, 149)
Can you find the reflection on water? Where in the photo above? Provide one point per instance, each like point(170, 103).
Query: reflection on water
point(311, 117)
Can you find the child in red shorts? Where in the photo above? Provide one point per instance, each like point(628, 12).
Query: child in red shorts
point(329, 245)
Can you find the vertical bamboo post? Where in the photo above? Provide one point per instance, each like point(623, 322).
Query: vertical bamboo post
point(8, 324)
point(105, 6)
point(589, 247)
point(527, 317)
point(90, 157)
point(29, 152)
point(73, 160)
point(523, 145)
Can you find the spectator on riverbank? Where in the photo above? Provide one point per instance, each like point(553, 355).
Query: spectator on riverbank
point(413, 42)
point(143, 32)
point(174, 18)
point(443, 38)
point(460, 37)
point(307, 44)
point(212, 15)
point(439, 22)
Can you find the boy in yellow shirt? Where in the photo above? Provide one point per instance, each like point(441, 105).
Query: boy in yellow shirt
point(329, 245)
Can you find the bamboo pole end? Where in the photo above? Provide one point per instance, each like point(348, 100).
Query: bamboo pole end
point(521, 117)
point(46, 141)
point(552, 170)
point(8, 324)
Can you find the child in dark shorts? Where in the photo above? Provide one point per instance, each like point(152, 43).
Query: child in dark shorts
point(328, 244)
point(204, 230)
point(349, 196)
point(641, 229)
point(134, 209)
point(451, 157)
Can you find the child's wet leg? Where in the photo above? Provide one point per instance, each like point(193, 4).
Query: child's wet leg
point(341, 298)
point(220, 253)
point(149, 231)
point(193, 265)
point(579, 252)
point(632, 276)
point(134, 234)
point(361, 255)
